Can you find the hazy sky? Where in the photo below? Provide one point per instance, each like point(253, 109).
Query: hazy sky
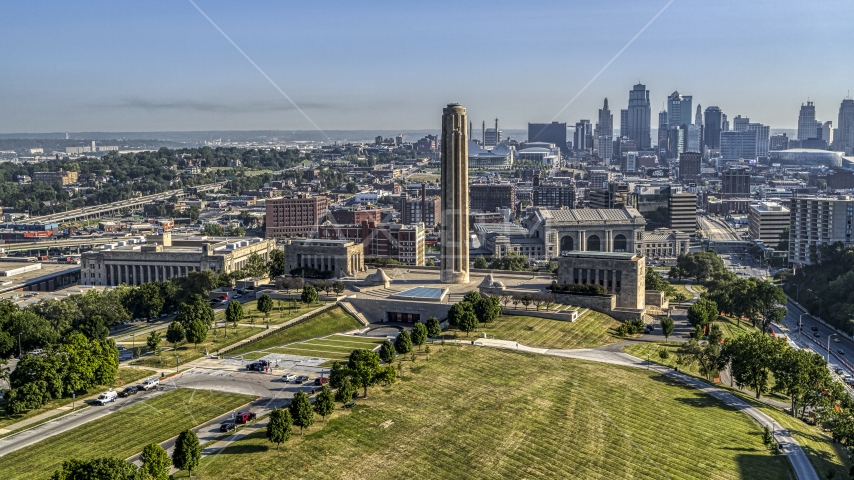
point(160, 65)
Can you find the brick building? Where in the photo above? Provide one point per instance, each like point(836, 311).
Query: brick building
point(295, 216)
point(404, 243)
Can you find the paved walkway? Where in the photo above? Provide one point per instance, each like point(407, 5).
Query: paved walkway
point(803, 469)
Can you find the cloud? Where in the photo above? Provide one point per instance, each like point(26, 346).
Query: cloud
point(207, 106)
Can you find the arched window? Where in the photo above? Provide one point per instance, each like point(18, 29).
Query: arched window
point(593, 244)
point(620, 243)
point(567, 244)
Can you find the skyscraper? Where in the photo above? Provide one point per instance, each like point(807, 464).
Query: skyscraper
point(763, 137)
point(455, 201)
point(662, 130)
point(698, 121)
point(548, 132)
point(492, 136)
point(678, 110)
point(605, 126)
point(638, 117)
point(712, 127)
point(739, 123)
point(724, 123)
point(624, 123)
point(827, 132)
point(583, 139)
point(844, 140)
point(807, 122)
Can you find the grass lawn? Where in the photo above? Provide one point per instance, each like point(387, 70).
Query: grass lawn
point(680, 289)
point(123, 433)
point(189, 352)
point(276, 317)
point(331, 321)
point(590, 330)
point(526, 416)
point(124, 376)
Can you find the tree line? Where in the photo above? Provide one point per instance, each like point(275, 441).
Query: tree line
point(824, 287)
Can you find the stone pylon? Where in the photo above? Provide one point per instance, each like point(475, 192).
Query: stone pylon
point(455, 196)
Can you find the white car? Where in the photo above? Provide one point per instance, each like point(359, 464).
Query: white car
point(289, 377)
point(149, 384)
point(106, 397)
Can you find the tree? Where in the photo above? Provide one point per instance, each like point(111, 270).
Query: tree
point(488, 309)
point(511, 261)
point(702, 313)
point(526, 300)
point(147, 300)
point(175, 334)
point(233, 313)
point(434, 329)
point(309, 295)
point(481, 262)
point(751, 358)
point(265, 304)
point(195, 283)
point(279, 426)
point(467, 322)
point(403, 342)
point(153, 340)
point(198, 308)
point(213, 230)
point(345, 392)
point(799, 374)
point(419, 335)
point(105, 468)
point(155, 462)
point(387, 353)
point(187, 453)
point(235, 230)
point(255, 266)
point(276, 265)
point(364, 366)
point(324, 404)
point(197, 332)
point(301, 412)
point(667, 326)
point(339, 287)
point(431, 262)
point(458, 310)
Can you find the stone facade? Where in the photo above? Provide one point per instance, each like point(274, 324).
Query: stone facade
point(665, 243)
point(622, 274)
point(587, 229)
point(455, 196)
point(165, 257)
point(343, 258)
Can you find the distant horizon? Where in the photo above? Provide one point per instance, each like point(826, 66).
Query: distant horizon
point(103, 66)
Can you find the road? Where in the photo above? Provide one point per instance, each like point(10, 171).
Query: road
point(214, 375)
point(717, 229)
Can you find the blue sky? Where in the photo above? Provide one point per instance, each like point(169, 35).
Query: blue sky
point(158, 65)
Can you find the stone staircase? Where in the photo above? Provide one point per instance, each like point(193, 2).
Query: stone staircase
point(348, 307)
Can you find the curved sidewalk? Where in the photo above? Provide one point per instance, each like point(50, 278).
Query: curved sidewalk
point(793, 451)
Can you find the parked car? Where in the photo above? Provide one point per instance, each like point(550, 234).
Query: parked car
point(301, 379)
point(106, 397)
point(164, 315)
point(223, 297)
point(128, 391)
point(226, 426)
point(319, 381)
point(289, 377)
point(121, 347)
point(259, 365)
point(244, 417)
point(149, 384)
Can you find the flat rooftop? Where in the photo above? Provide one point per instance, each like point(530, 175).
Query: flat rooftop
point(422, 293)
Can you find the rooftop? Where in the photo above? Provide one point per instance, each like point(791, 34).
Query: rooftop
point(608, 255)
point(592, 215)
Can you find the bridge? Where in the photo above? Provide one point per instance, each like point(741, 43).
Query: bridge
point(98, 211)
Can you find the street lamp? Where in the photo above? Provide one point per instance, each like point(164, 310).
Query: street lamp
point(828, 345)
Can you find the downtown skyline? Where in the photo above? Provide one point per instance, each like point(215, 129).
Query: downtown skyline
point(163, 66)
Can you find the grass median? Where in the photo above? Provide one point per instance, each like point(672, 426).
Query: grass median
point(334, 320)
point(473, 412)
point(123, 433)
point(216, 339)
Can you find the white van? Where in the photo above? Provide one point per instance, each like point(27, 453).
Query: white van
point(106, 397)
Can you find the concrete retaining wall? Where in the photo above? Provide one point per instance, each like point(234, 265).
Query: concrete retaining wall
point(565, 316)
point(601, 303)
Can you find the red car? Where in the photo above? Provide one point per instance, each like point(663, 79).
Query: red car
point(244, 417)
point(321, 381)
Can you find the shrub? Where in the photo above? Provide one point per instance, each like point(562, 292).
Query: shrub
point(578, 288)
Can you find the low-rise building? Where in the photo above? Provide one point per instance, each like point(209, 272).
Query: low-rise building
point(665, 243)
point(62, 176)
point(621, 274)
point(163, 257)
point(340, 258)
point(501, 239)
point(404, 243)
